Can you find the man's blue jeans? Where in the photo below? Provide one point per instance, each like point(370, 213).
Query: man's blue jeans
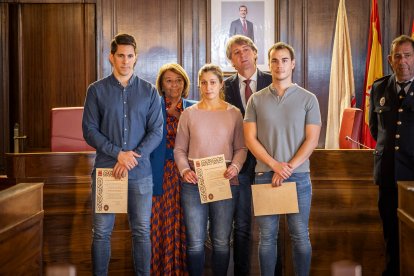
point(196, 215)
point(298, 228)
point(139, 215)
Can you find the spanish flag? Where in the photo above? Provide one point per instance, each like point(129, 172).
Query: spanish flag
point(412, 30)
point(373, 70)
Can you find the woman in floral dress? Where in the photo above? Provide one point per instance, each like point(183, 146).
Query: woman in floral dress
point(167, 227)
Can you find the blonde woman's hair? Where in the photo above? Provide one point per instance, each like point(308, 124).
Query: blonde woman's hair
point(175, 68)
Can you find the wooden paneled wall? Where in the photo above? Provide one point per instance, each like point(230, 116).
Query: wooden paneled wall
point(166, 31)
point(49, 62)
point(4, 85)
point(56, 62)
point(309, 26)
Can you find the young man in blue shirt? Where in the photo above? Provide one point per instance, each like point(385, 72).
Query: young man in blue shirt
point(122, 120)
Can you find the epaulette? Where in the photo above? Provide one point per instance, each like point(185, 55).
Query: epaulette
point(382, 78)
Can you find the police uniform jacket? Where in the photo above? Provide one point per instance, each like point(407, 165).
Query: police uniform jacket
point(392, 126)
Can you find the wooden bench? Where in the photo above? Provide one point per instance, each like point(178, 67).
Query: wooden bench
point(21, 229)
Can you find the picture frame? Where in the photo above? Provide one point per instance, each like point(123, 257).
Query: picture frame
point(261, 14)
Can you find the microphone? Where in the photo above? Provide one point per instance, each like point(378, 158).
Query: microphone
point(356, 142)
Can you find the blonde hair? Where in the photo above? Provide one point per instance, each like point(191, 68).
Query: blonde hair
point(175, 68)
point(239, 40)
point(217, 72)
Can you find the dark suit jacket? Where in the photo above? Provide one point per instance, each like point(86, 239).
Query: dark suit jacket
point(161, 153)
point(392, 126)
point(232, 93)
point(236, 27)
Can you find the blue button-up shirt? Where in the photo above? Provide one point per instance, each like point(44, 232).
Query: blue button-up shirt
point(119, 118)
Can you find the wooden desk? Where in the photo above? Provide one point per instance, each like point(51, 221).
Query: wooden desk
point(406, 223)
point(21, 227)
point(67, 205)
point(344, 221)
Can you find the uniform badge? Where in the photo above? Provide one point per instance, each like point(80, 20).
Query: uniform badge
point(382, 101)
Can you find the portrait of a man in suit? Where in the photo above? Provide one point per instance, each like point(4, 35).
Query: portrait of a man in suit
point(242, 26)
point(227, 18)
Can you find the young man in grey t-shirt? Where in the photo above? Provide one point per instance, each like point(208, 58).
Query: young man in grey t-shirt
point(281, 127)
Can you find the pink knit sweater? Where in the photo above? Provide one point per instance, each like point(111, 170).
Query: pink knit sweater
point(204, 133)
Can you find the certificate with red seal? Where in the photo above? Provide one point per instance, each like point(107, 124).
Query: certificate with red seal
point(212, 184)
point(111, 193)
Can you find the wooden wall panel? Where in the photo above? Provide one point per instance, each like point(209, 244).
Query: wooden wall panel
point(166, 31)
point(344, 220)
point(320, 43)
point(311, 32)
point(155, 26)
point(4, 84)
point(57, 64)
point(194, 39)
point(407, 15)
point(309, 26)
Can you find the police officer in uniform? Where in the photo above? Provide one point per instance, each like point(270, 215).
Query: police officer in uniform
point(391, 122)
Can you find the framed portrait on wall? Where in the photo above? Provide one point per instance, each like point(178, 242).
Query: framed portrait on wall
point(252, 18)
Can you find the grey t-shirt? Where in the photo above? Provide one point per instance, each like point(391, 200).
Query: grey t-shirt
point(281, 122)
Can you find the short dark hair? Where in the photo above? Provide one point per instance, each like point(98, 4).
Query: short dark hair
point(123, 39)
point(243, 6)
point(400, 40)
point(280, 46)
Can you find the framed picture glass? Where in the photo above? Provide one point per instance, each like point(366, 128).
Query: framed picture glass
point(253, 18)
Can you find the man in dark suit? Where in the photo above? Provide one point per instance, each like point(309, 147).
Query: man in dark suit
point(242, 53)
point(242, 26)
point(391, 123)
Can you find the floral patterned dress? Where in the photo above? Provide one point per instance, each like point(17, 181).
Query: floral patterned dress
point(167, 223)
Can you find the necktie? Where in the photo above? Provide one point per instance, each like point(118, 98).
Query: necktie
point(247, 91)
point(244, 27)
point(401, 94)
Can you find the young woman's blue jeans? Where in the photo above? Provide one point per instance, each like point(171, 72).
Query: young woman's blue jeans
point(298, 228)
point(220, 214)
point(139, 215)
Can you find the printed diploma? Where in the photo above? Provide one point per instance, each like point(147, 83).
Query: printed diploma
point(111, 193)
point(211, 182)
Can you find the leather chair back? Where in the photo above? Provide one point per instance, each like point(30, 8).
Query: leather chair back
point(66, 130)
point(350, 127)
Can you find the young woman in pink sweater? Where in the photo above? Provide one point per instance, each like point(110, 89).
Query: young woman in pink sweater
point(209, 128)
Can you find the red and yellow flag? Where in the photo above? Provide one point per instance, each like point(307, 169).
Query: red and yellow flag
point(373, 70)
point(412, 30)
